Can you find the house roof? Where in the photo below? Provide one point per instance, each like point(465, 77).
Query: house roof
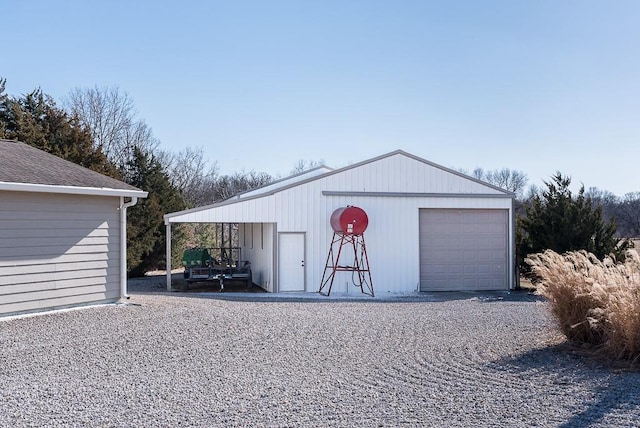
point(323, 171)
point(25, 168)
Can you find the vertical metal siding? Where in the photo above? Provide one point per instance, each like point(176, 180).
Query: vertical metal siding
point(57, 250)
point(260, 254)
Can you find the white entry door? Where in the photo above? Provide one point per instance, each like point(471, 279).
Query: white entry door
point(291, 262)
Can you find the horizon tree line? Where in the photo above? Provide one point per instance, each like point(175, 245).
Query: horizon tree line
point(99, 128)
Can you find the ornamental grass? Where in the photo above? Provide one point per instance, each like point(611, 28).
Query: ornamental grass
point(595, 303)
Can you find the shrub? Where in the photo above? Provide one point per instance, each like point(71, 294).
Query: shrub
point(594, 302)
point(558, 220)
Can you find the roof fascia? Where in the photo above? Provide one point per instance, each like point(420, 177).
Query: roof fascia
point(70, 190)
point(230, 201)
point(419, 195)
point(274, 183)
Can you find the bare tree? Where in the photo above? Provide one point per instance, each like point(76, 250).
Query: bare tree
point(608, 201)
point(111, 117)
point(505, 178)
point(226, 186)
point(531, 192)
point(628, 215)
point(305, 165)
point(624, 210)
point(191, 173)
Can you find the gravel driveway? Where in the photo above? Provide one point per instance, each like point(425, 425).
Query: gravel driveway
point(186, 359)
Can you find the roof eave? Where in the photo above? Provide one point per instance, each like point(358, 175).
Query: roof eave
point(71, 190)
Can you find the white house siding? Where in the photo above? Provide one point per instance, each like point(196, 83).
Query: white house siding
point(390, 189)
point(57, 250)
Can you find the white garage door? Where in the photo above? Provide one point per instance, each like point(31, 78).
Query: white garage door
point(463, 249)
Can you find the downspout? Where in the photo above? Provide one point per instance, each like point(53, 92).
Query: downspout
point(123, 244)
point(168, 234)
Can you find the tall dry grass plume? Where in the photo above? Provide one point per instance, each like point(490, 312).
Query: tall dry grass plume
point(594, 302)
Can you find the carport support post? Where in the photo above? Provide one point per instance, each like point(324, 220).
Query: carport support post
point(168, 224)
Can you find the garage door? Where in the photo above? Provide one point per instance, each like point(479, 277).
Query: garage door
point(463, 249)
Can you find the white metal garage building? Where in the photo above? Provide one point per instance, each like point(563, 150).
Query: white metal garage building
point(430, 228)
point(62, 232)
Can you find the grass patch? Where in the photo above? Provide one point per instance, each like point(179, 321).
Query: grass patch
point(595, 303)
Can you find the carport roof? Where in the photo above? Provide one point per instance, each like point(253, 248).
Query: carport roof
point(27, 169)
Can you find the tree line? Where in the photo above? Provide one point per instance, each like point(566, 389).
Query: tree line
point(99, 128)
point(555, 218)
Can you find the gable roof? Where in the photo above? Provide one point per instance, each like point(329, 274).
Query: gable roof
point(285, 184)
point(25, 168)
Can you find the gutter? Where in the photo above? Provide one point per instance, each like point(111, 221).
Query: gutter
point(123, 244)
point(71, 190)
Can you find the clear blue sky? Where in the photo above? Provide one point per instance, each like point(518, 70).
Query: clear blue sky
point(537, 86)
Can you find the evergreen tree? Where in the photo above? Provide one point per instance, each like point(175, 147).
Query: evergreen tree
point(559, 221)
point(35, 119)
point(146, 238)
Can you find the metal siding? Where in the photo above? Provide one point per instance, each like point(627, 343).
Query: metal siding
point(403, 174)
point(260, 256)
point(389, 237)
point(57, 250)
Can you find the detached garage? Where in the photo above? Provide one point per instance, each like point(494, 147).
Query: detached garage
point(62, 232)
point(430, 228)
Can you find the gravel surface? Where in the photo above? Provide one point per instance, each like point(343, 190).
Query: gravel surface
point(188, 359)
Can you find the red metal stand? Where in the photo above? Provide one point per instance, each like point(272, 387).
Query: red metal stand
point(360, 264)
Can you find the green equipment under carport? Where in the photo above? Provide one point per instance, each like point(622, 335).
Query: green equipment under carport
point(220, 263)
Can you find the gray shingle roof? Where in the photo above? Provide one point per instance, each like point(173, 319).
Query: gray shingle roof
point(21, 163)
